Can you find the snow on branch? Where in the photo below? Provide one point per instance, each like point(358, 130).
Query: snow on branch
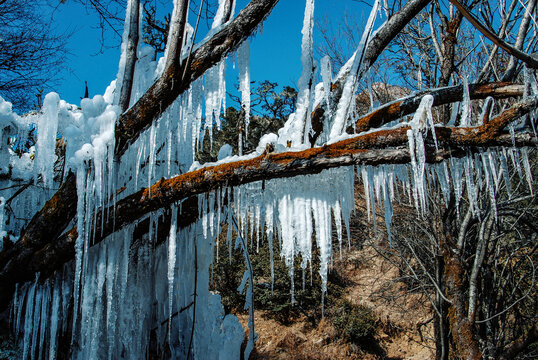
point(388, 146)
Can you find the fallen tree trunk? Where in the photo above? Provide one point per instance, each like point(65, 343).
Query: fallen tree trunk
point(58, 212)
point(381, 147)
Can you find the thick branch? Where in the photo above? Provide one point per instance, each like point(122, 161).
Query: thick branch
point(381, 147)
point(58, 212)
point(169, 86)
point(177, 33)
point(131, 47)
point(442, 96)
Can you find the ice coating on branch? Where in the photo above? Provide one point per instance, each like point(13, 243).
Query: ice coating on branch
point(47, 128)
point(345, 103)
point(123, 56)
point(298, 126)
point(326, 76)
point(219, 19)
point(487, 110)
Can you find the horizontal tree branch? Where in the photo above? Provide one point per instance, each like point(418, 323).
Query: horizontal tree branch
point(381, 147)
point(59, 211)
point(397, 109)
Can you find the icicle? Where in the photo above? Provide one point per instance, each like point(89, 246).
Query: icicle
point(326, 75)
point(171, 267)
point(490, 183)
point(243, 68)
point(506, 174)
point(28, 319)
point(2, 222)
point(346, 100)
point(471, 188)
point(112, 270)
point(47, 128)
point(387, 202)
point(269, 232)
point(366, 183)
point(54, 319)
point(152, 151)
point(297, 127)
point(215, 95)
point(465, 120)
point(527, 167)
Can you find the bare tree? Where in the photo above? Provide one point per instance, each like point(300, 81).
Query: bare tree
point(29, 47)
point(48, 242)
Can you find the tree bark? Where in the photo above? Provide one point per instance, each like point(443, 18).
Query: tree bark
point(130, 55)
point(442, 96)
point(170, 85)
point(381, 147)
point(54, 217)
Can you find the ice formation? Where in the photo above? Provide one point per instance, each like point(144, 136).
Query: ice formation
point(146, 286)
point(297, 127)
point(350, 85)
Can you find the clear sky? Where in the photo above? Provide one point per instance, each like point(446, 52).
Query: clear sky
point(275, 51)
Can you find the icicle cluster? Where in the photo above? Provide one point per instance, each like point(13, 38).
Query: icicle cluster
point(143, 286)
point(298, 125)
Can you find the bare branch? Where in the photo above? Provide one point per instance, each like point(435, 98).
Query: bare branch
point(526, 58)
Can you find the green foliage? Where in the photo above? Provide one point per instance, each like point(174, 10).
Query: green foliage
point(270, 109)
point(275, 297)
point(355, 322)
point(227, 273)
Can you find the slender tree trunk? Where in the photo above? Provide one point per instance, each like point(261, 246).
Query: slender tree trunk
point(441, 329)
point(464, 336)
point(130, 55)
point(520, 39)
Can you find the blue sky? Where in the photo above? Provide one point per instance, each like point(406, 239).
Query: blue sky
point(275, 51)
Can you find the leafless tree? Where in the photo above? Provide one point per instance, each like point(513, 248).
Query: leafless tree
point(29, 47)
point(47, 242)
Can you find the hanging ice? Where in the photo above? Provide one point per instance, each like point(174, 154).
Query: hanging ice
point(298, 126)
point(343, 109)
point(466, 105)
point(243, 68)
point(47, 128)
